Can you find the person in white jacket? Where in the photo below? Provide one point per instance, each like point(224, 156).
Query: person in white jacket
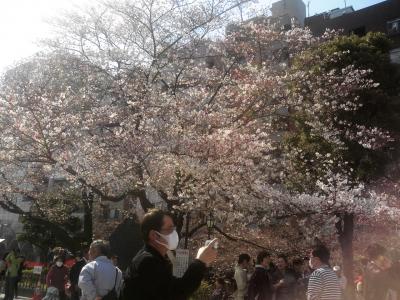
point(241, 276)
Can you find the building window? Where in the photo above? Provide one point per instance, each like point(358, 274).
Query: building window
point(360, 31)
point(393, 27)
point(287, 27)
point(115, 214)
point(27, 198)
point(395, 56)
point(105, 212)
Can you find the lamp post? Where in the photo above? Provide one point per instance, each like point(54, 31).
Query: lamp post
point(210, 224)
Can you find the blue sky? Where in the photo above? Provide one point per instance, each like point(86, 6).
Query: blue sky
point(318, 6)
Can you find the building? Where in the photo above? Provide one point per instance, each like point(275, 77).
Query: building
point(338, 12)
point(289, 11)
point(284, 15)
point(382, 17)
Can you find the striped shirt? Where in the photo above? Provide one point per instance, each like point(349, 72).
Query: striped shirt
point(324, 285)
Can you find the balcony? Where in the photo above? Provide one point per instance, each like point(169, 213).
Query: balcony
point(393, 27)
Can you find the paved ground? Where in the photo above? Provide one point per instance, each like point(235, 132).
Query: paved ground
point(19, 297)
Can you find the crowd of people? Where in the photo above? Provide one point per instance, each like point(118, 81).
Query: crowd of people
point(274, 277)
point(310, 278)
point(95, 274)
point(149, 277)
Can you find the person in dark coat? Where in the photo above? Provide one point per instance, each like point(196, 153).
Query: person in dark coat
point(302, 276)
point(220, 292)
point(284, 280)
point(149, 277)
point(58, 276)
point(260, 287)
point(20, 273)
point(74, 275)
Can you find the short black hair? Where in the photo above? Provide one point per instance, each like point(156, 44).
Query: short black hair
point(152, 220)
point(5, 255)
point(221, 281)
point(261, 255)
point(59, 257)
point(298, 261)
point(284, 257)
point(322, 253)
point(243, 257)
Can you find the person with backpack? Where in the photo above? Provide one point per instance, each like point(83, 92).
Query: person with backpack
point(100, 279)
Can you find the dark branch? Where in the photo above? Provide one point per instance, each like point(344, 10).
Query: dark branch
point(238, 239)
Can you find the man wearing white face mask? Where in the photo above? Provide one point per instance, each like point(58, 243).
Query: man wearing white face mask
point(149, 277)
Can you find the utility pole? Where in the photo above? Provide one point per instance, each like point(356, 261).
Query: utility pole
point(345, 3)
point(308, 8)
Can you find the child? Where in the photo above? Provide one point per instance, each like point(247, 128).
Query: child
point(52, 294)
point(220, 291)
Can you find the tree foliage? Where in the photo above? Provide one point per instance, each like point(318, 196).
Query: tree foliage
point(363, 127)
point(135, 96)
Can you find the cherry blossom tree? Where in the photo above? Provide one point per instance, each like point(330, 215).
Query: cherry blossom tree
point(348, 130)
point(130, 96)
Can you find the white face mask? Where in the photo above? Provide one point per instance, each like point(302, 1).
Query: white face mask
point(172, 240)
point(59, 264)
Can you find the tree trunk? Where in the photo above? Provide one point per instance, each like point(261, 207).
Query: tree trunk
point(88, 220)
point(345, 228)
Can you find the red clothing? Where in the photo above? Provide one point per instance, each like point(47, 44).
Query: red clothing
point(57, 277)
point(37, 297)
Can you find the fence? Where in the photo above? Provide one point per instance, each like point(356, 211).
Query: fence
point(30, 281)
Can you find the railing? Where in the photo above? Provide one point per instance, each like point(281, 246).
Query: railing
point(31, 281)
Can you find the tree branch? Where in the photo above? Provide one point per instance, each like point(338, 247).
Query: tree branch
point(238, 239)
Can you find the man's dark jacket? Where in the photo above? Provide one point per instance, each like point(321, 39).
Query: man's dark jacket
point(260, 285)
point(149, 277)
point(76, 270)
point(74, 278)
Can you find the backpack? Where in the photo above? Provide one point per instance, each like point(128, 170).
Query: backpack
point(112, 295)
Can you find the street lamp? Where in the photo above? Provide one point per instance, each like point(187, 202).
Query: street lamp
point(210, 224)
point(87, 195)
